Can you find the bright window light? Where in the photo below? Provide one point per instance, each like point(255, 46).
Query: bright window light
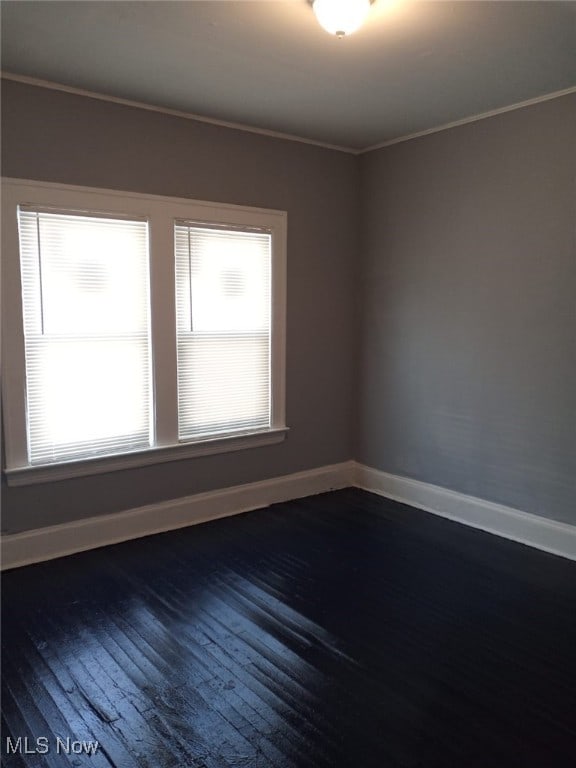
point(223, 280)
point(86, 326)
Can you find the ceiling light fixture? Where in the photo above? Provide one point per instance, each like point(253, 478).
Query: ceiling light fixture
point(341, 17)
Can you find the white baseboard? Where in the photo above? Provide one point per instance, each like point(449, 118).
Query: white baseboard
point(68, 538)
point(548, 535)
point(58, 540)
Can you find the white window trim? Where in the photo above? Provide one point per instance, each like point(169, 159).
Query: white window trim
point(161, 213)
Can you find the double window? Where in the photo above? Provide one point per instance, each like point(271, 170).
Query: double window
point(137, 329)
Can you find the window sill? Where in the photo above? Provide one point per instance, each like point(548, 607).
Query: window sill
point(31, 475)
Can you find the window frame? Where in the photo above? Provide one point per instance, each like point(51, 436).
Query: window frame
point(162, 213)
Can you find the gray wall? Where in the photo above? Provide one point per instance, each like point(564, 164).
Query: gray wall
point(468, 357)
point(463, 373)
point(52, 136)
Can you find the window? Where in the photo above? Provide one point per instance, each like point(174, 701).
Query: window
point(223, 329)
point(137, 329)
point(85, 304)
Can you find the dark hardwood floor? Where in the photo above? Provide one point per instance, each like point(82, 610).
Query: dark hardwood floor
point(338, 630)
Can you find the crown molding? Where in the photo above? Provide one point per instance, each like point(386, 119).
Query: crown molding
point(49, 84)
point(471, 119)
point(34, 81)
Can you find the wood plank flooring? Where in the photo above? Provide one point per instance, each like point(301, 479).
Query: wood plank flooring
point(338, 630)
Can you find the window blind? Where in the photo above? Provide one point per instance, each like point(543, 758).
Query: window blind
point(223, 329)
point(87, 343)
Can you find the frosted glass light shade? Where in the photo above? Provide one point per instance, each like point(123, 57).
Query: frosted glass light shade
point(341, 17)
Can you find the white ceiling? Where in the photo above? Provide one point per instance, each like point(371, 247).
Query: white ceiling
point(412, 67)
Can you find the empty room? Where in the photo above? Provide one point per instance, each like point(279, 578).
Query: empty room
point(288, 384)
